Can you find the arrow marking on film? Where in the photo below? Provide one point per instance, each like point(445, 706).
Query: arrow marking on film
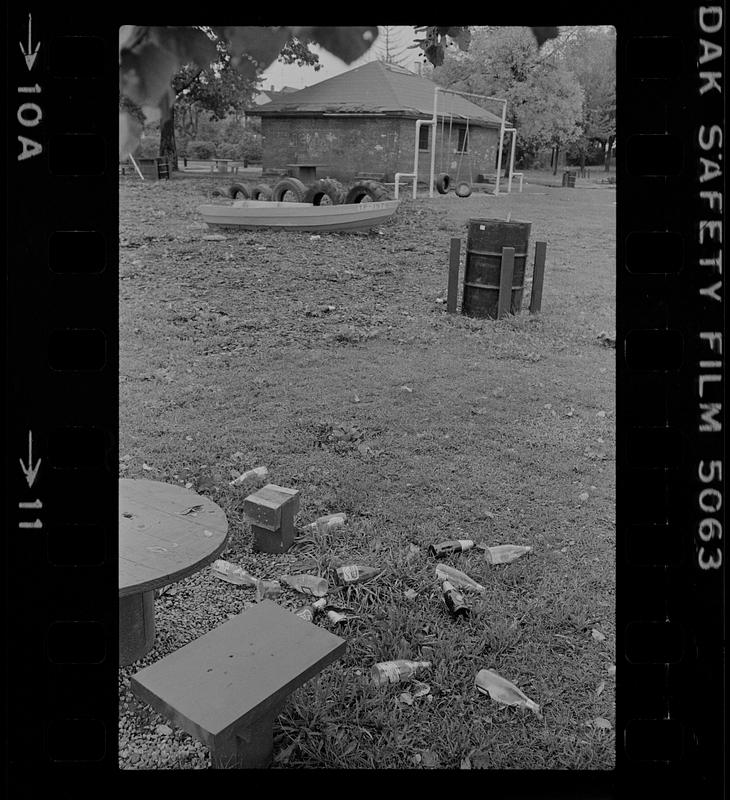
point(31, 54)
point(30, 471)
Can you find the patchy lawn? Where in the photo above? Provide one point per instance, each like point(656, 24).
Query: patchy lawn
point(257, 349)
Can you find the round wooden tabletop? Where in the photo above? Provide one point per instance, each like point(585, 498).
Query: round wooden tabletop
point(165, 533)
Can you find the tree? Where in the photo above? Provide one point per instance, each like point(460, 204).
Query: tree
point(149, 57)
point(590, 53)
point(216, 90)
point(391, 47)
point(544, 100)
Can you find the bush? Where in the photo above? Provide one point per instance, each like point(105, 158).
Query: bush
point(201, 149)
point(149, 147)
point(250, 148)
point(227, 150)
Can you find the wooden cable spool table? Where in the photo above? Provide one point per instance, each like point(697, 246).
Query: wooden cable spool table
point(165, 533)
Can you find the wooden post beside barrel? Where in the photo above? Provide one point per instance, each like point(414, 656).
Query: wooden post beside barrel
point(483, 271)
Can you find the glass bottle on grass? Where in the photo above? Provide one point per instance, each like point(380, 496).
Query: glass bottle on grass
point(355, 573)
point(386, 672)
point(443, 549)
point(455, 602)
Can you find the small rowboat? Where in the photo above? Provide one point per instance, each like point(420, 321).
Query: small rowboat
point(298, 216)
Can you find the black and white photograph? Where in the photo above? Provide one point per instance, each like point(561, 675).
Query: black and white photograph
point(367, 371)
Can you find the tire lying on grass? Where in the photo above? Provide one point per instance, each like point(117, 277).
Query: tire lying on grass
point(239, 191)
point(325, 188)
point(292, 186)
point(443, 183)
point(262, 191)
point(372, 190)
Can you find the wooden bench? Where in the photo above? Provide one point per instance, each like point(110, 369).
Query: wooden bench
point(370, 176)
point(227, 687)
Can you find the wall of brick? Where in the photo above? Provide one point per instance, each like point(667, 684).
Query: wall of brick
point(481, 152)
point(351, 145)
point(347, 146)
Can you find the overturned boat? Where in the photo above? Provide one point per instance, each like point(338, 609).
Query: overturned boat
point(299, 216)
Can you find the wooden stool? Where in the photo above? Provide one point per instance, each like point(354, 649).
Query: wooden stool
point(227, 687)
point(271, 511)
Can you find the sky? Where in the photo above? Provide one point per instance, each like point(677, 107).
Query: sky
point(280, 75)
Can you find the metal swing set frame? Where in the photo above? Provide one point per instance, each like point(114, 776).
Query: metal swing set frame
point(433, 124)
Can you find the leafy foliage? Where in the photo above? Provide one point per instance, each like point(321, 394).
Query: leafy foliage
point(149, 57)
point(544, 99)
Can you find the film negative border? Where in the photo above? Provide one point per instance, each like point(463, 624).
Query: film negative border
point(669, 323)
point(63, 371)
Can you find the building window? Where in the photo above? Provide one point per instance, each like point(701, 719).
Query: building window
point(423, 135)
point(462, 144)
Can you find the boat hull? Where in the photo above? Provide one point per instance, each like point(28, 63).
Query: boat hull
point(247, 214)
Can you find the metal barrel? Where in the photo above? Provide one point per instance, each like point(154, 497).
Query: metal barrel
point(484, 242)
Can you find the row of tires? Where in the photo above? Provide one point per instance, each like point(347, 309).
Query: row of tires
point(327, 191)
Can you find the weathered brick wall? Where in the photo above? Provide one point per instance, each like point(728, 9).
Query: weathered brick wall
point(351, 145)
point(481, 152)
point(348, 146)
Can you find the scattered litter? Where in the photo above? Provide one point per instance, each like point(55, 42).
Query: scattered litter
point(327, 522)
point(505, 553)
point(601, 414)
point(267, 589)
point(413, 551)
point(355, 573)
point(583, 496)
point(501, 690)
point(306, 613)
point(458, 578)
point(314, 236)
point(608, 339)
point(148, 468)
point(192, 509)
point(231, 573)
point(127, 514)
point(257, 472)
point(429, 758)
point(597, 635)
point(163, 730)
point(385, 672)
point(420, 689)
point(338, 616)
point(307, 584)
point(215, 237)
point(406, 389)
point(410, 594)
point(599, 689)
point(406, 698)
point(188, 485)
point(451, 546)
point(441, 300)
point(611, 669)
point(600, 722)
point(207, 534)
point(455, 602)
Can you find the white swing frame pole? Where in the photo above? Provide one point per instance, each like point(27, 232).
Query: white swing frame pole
point(511, 158)
point(434, 131)
point(501, 144)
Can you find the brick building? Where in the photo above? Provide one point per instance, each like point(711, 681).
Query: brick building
point(364, 121)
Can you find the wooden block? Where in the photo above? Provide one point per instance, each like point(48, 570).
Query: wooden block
point(264, 507)
point(453, 286)
point(538, 275)
point(226, 687)
point(505, 281)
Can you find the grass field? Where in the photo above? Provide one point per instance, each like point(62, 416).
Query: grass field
point(329, 360)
